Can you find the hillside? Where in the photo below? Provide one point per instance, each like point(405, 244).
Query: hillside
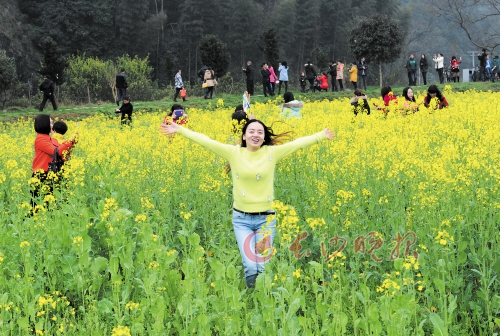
point(15, 38)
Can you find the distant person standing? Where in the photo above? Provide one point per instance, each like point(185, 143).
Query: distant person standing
point(362, 67)
point(121, 86)
point(250, 78)
point(310, 75)
point(439, 64)
point(488, 68)
point(179, 85)
point(266, 86)
point(411, 67)
point(283, 70)
point(353, 75)
point(340, 74)
point(482, 65)
point(332, 70)
point(455, 68)
point(47, 88)
point(210, 81)
point(424, 66)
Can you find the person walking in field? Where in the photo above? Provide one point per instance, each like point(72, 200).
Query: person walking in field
point(179, 85)
point(47, 88)
point(252, 166)
point(121, 86)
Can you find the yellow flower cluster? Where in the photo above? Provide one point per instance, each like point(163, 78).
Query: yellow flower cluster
point(132, 305)
point(121, 331)
point(443, 238)
point(287, 221)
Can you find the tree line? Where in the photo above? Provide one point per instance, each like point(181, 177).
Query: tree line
point(168, 33)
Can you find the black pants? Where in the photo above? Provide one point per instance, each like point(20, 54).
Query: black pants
point(483, 76)
point(364, 81)
point(250, 86)
point(334, 84)
point(209, 93)
point(311, 84)
point(177, 92)
point(266, 87)
point(127, 119)
point(441, 77)
point(302, 88)
point(122, 92)
point(286, 86)
point(44, 101)
point(341, 86)
point(355, 84)
point(424, 77)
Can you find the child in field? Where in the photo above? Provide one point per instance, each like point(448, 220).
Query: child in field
point(252, 167)
point(302, 82)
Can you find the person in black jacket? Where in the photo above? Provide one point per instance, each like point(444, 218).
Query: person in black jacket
point(47, 88)
point(482, 65)
point(250, 80)
point(362, 70)
point(332, 70)
point(266, 84)
point(310, 75)
point(423, 68)
point(126, 110)
point(121, 86)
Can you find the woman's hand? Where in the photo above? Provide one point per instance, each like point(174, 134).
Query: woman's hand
point(170, 128)
point(74, 138)
point(329, 134)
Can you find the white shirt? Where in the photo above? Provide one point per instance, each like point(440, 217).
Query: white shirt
point(439, 62)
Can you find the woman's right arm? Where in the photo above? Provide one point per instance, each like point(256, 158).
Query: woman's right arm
point(48, 147)
point(216, 147)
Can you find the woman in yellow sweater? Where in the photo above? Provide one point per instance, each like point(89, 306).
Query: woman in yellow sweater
point(252, 168)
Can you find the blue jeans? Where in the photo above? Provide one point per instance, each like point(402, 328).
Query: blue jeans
point(254, 236)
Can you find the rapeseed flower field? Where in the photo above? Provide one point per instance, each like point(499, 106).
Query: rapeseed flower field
point(392, 228)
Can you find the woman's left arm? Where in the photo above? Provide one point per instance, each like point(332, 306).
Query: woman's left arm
point(300, 143)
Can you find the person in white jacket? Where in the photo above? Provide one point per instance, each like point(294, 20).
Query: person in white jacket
point(439, 63)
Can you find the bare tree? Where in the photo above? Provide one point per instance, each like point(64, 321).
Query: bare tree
point(477, 18)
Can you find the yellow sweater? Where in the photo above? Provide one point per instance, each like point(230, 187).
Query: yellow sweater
point(252, 172)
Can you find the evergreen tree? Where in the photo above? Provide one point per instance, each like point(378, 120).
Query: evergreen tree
point(269, 47)
point(8, 76)
point(54, 63)
point(214, 53)
point(378, 38)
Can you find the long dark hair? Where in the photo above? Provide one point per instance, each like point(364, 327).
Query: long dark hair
point(405, 94)
point(270, 138)
point(42, 124)
point(385, 90)
point(433, 89)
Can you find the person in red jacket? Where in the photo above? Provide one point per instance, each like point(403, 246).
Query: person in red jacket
point(435, 99)
point(45, 147)
point(323, 82)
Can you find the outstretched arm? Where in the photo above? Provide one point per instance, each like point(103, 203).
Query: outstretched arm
point(216, 147)
point(304, 142)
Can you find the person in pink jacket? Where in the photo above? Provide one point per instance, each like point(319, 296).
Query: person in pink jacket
point(273, 78)
point(340, 74)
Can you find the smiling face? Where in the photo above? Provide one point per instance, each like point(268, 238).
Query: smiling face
point(254, 136)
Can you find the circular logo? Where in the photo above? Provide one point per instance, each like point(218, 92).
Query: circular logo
point(263, 248)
